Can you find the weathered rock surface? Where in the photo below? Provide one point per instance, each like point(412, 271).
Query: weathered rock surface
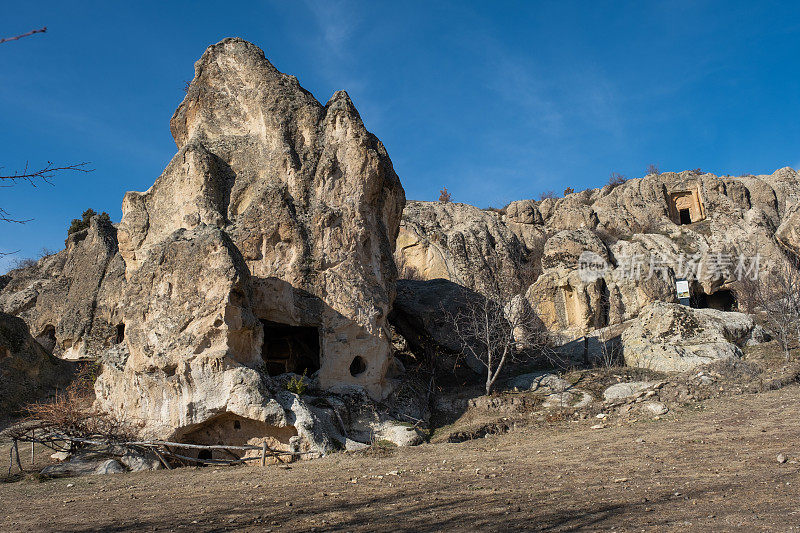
point(633, 230)
point(87, 464)
point(620, 391)
point(264, 247)
point(465, 245)
point(71, 300)
point(674, 338)
point(27, 371)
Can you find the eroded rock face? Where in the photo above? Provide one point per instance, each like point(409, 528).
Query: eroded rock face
point(645, 231)
point(264, 247)
point(27, 371)
point(674, 338)
point(71, 300)
point(465, 245)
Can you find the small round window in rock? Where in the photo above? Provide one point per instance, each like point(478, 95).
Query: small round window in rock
point(358, 366)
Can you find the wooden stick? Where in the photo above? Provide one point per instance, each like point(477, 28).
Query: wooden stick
point(210, 461)
point(161, 458)
point(264, 453)
point(10, 459)
point(16, 454)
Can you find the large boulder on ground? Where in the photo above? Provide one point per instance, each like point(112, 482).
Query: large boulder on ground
point(675, 338)
point(27, 371)
point(265, 247)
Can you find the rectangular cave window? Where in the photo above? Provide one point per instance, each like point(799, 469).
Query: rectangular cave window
point(686, 207)
point(290, 348)
point(120, 336)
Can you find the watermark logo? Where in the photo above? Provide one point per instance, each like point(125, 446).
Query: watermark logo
point(637, 267)
point(592, 266)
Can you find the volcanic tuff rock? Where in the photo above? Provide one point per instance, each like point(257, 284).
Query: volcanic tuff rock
point(267, 240)
point(71, 300)
point(27, 371)
point(673, 337)
point(538, 244)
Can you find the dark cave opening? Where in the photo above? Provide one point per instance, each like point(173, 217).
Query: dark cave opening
point(358, 366)
point(721, 300)
point(120, 336)
point(290, 348)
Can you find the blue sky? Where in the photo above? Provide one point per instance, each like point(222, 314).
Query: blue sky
point(495, 100)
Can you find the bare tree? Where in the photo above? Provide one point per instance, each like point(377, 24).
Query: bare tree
point(653, 170)
point(776, 293)
point(496, 330)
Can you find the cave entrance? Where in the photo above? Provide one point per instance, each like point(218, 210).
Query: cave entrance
point(721, 300)
point(290, 348)
point(686, 207)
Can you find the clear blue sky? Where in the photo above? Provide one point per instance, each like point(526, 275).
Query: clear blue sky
point(495, 100)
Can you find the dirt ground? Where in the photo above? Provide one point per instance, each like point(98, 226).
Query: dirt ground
point(711, 466)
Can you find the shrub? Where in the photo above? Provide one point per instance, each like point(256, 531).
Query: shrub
point(444, 196)
point(568, 190)
point(24, 263)
point(80, 224)
point(653, 170)
point(548, 195)
point(297, 384)
point(616, 179)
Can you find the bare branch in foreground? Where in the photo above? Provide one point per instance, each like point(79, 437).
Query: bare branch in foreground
point(17, 37)
point(44, 174)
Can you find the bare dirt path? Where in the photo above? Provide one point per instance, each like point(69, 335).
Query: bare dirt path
point(708, 469)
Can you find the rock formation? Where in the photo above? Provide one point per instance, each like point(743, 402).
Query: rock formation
point(71, 300)
point(27, 371)
point(270, 245)
point(644, 233)
point(674, 338)
point(265, 247)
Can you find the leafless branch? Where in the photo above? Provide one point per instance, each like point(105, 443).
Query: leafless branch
point(17, 37)
point(776, 293)
point(497, 329)
point(44, 174)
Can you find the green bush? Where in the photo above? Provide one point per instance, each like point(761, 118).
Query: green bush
point(80, 224)
point(297, 384)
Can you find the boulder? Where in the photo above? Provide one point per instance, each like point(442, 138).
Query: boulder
point(654, 408)
point(87, 464)
point(675, 338)
point(538, 382)
point(620, 391)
